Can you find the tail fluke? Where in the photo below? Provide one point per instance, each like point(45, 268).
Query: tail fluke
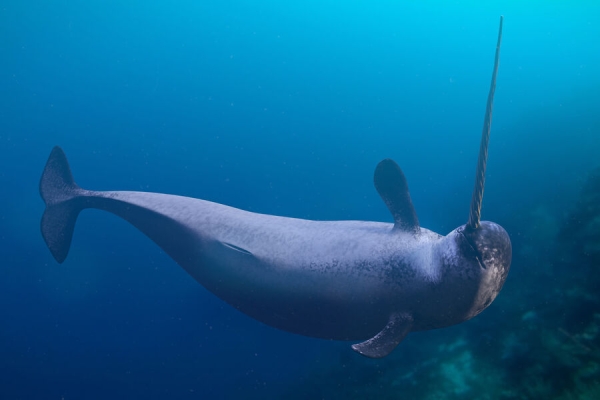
point(63, 204)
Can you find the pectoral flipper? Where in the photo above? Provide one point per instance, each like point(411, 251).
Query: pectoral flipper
point(382, 344)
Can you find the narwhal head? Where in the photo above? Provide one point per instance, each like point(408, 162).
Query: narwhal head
point(480, 265)
point(474, 264)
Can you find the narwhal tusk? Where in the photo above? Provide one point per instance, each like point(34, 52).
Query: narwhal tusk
point(475, 211)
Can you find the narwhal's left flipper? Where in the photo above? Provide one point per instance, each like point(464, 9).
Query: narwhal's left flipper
point(382, 344)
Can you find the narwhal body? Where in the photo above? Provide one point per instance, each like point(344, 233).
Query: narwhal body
point(343, 280)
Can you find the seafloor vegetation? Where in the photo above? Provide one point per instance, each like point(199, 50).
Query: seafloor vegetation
point(539, 340)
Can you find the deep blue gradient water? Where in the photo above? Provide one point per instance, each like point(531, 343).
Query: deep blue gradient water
point(274, 107)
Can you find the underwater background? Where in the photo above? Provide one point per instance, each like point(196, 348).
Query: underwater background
point(286, 107)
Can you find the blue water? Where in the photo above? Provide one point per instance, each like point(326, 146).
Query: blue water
point(275, 107)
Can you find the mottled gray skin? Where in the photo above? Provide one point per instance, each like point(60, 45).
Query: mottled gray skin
point(329, 279)
point(345, 280)
point(340, 280)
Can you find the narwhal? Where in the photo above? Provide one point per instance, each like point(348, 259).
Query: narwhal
point(344, 280)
